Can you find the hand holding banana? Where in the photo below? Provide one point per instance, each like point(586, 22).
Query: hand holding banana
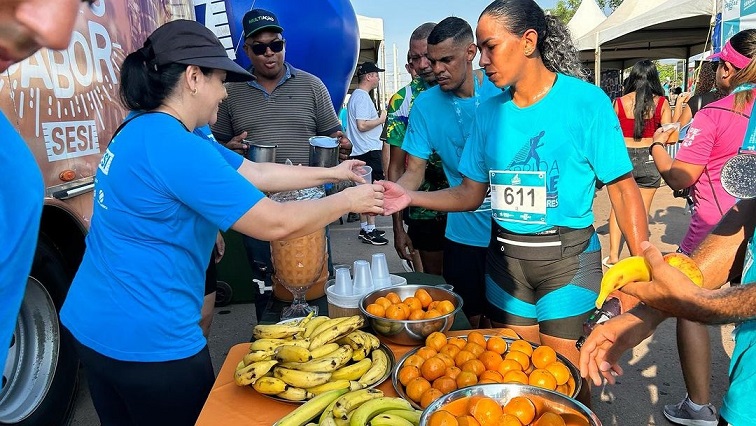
point(637, 269)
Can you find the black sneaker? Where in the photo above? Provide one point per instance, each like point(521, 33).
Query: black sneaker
point(372, 238)
point(353, 217)
point(379, 232)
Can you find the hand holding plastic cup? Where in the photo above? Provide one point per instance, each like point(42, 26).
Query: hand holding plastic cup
point(379, 271)
point(366, 172)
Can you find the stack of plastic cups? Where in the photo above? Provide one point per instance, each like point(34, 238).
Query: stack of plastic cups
point(343, 286)
point(363, 280)
point(380, 272)
point(342, 302)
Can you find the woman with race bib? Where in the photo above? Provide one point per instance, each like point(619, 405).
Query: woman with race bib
point(540, 147)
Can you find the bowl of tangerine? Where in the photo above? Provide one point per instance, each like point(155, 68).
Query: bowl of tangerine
point(507, 405)
point(407, 314)
point(446, 364)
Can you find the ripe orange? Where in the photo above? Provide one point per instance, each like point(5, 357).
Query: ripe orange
point(487, 382)
point(433, 304)
point(514, 376)
point(393, 297)
point(492, 375)
point(422, 295)
point(474, 348)
point(474, 366)
point(522, 408)
point(507, 365)
point(476, 337)
point(467, 420)
point(442, 418)
point(426, 352)
point(466, 378)
point(407, 373)
point(543, 356)
point(490, 359)
point(458, 342)
point(549, 419)
point(452, 372)
point(413, 303)
point(485, 410)
point(447, 359)
point(560, 371)
point(429, 396)
point(521, 345)
point(415, 360)
point(435, 340)
point(462, 357)
point(445, 307)
point(416, 315)
point(543, 379)
point(458, 407)
point(509, 420)
point(416, 387)
point(520, 357)
point(433, 368)
point(376, 309)
point(445, 384)
point(496, 344)
point(450, 350)
point(398, 311)
point(383, 302)
point(563, 389)
point(432, 313)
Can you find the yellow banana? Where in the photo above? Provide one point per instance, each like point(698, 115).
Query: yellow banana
point(272, 344)
point(333, 333)
point(377, 370)
point(301, 379)
point(313, 324)
point(292, 353)
point(325, 325)
point(371, 339)
point(250, 373)
point(324, 350)
point(350, 401)
point(275, 331)
point(635, 268)
point(327, 413)
point(354, 371)
point(240, 365)
point(412, 415)
point(329, 386)
point(295, 394)
point(310, 409)
point(256, 356)
point(389, 420)
point(326, 364)
point(372, 408)
point(270, 385)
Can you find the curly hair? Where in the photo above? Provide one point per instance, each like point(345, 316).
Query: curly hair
point(707, 77)
point(558, 53)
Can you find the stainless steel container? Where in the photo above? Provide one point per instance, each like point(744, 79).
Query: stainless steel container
point(324, 151)
point(261, 152)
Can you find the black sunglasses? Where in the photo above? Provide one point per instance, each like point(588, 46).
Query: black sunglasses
point(260, 48)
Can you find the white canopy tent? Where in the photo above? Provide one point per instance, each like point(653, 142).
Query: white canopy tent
point(648, 29)
point(587, 17)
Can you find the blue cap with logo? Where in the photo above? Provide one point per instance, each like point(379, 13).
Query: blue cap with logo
point(259, 19)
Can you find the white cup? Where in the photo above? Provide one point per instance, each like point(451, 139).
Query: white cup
point(379, 271)
point(366, 172)
point(343, 284)
point(363, 282)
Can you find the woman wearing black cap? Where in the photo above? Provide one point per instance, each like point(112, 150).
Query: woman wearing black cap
point(161, 194)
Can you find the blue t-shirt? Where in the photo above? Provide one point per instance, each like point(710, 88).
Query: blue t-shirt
point(442, 122)
point(161, 194)
point(737, 406)
point(542, 161)
point(21, 198)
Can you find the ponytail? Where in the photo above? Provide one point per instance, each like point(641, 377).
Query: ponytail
point(144, 85)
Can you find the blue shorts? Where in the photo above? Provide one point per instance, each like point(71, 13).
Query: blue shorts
point(737, 406)
point(558, 295)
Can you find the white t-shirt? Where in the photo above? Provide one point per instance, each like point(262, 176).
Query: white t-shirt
point(360, 107)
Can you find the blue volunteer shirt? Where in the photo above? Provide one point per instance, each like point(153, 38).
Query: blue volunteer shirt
point(21, 198)
point(161, 194)
point(442, 122)
point(542, 161)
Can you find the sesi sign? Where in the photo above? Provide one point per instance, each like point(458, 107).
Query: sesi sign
point(70, 139)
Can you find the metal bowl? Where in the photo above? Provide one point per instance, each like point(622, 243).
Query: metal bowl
point(410, 332)
point(578, 413)
point(399, 388)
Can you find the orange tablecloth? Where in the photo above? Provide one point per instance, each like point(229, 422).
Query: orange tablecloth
point(229, 404)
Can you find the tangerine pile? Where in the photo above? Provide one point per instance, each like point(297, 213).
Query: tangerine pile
point(444, 365)
point(419, 306)
point(485, 411)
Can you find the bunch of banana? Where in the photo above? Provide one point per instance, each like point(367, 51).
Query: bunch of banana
point(377, 370)
point(310, 409)
point(249, 374)
point(334, 329)
point(634, 268)
point(362, 343)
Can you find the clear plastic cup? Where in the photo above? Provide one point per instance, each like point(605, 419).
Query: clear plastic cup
point(343, 286)
point(366, 172)
point(363, 281)
point(379, 271)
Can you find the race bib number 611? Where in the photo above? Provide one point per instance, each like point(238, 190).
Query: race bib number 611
point(518, 196)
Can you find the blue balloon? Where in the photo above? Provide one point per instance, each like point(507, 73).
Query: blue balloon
point(322, 38)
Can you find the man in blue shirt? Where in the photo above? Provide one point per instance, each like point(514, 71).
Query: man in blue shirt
point(440, 122)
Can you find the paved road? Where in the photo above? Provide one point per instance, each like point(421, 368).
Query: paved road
point(652, 375)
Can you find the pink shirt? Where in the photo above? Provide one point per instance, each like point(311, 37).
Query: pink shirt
point(714, 137)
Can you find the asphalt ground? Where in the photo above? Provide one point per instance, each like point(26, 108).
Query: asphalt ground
point(652, 373)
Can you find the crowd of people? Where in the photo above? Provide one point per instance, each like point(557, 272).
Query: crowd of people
point(490, 175)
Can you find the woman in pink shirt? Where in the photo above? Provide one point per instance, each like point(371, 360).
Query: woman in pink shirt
point(715, 135)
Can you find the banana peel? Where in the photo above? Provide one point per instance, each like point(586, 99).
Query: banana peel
point(635, 268)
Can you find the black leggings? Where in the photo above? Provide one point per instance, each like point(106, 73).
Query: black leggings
point(147, 393)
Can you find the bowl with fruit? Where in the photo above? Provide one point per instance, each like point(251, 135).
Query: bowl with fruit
point(507, 404)
point(406, 315)
point(446, 364)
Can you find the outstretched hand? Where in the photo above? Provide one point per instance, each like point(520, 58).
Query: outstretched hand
point(396, 198)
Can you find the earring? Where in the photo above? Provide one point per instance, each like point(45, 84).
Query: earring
point(528, 52)
point(194, 92)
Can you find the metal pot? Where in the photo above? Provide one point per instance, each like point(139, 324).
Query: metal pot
point(261, 152)
point(324, 151)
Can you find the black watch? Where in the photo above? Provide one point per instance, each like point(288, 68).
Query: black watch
point(651, 147)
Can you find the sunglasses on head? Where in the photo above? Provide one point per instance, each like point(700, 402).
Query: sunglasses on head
point(260, 48)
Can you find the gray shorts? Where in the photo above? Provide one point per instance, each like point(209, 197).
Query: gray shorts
point(645, 173)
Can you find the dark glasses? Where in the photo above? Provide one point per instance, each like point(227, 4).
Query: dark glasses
point(260, 48)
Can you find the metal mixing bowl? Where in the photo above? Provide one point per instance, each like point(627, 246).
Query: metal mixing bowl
point(578, 413)
point(410, 332)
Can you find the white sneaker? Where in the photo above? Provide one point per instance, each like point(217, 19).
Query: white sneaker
point(683, 414)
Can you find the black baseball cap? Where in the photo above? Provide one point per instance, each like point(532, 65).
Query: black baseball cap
point(260, 19)
point(191, 43)
point(367, 68)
